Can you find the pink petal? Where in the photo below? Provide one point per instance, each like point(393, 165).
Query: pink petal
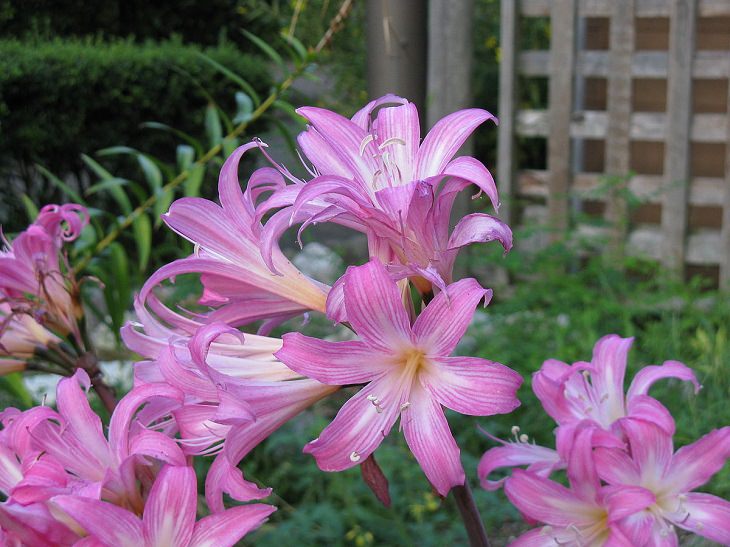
point(224, 477)
point(473, 386)
point(548, 383)
point(705, 515)
point(375, 307)
point(125, 411)
point(360, 425)
point(83, 422)
point(362, 116)
point(226, 528)
point(615, 466)
point(646, 377)
point(651, 448)
point(344, 137)
point(474, 171)
point(693, 465)
point(401, 123)
point(319, 152)
point(334, 363)
point(169, 514)
point(336, 310)
point(609, 362)
point(109, 524)
point(541, 461)
point(480, 228)
point(624, 501)
point(444, 321)
point(229, 188)
point(445, 139)
point(157, 445)
point(547, 501)
point(649, 409)
point(429, 438)
point(581, 470)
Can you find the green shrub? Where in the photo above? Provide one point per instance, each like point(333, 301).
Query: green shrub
point(61, 98)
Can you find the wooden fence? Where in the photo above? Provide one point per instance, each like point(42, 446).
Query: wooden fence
point(634, 86)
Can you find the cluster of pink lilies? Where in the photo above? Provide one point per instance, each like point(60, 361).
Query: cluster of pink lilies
point(206, 388)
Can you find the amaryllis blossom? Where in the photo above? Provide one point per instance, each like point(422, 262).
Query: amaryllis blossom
point(168, 519)
point(671, 476)
point(373, 174)
point(586, 514)
point(236, 392)
point(591, 391)
point(408, 372)
point(35, 278)
point(237, 283)
point(595, 391)
point(66, 452)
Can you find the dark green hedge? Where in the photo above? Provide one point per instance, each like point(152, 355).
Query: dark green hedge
point(61, 98)
point(194, 21)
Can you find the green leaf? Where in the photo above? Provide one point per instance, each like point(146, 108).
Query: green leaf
point(13, 384)
point(114, 189)
point(58, 183)
point(244, 108)
point(107, 184)
point(266, 48)
point(142, 229)
point(291, 111)
point(228, 73)
point(117, 289)
point(213, 129)
point(301, 52)
point(229, 145)
point(192, 184)
point(195, 143)
point(185, 156)
point(30, 208)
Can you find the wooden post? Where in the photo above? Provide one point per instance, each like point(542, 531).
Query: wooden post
point(449, 57)
point(619, 120)
point(679, 120)
point(396, 40)
point(507, 95)
point(725, 233)
point(560, 91)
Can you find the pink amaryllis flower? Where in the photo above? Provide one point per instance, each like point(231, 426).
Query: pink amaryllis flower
point(168, 519)
point(76, 456)
point(370, 173)
point(236, 393)
point(593, 391)
point(671, 476)
point(408, 372)
point(237, 283)
point(584, 514)
point(35, 277)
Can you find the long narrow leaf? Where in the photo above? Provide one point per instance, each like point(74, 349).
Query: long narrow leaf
point(58, 183)
point(142, 229)
point(228, 73)
point(266, 48)
point(31, 208)
point(192, 184)
point(181, 134)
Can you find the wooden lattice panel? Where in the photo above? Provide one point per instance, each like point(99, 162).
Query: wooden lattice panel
point(648, 92)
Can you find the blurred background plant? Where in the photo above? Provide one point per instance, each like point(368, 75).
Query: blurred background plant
point(127, 106)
